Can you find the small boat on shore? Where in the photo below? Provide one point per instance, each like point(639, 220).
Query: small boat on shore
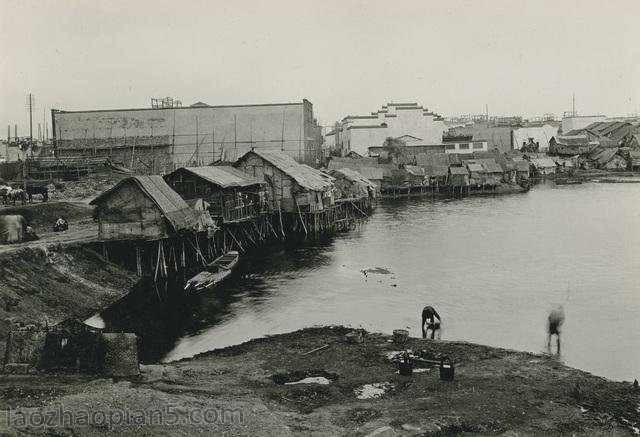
point(214, 272)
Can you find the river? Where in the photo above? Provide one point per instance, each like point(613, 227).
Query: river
point(493, 267)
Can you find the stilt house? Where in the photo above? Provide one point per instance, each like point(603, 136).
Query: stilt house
point(293, 187)
point(226, 192)
point(352, 185)
point(145, 207)
point(458, 178)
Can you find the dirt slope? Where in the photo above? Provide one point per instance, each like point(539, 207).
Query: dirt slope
point(54, 283)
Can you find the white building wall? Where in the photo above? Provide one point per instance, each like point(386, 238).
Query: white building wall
point(362, 132)
point(289, 127)
point(466, 147)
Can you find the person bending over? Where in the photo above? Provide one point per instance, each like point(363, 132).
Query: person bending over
point(554, 322)
point(429, 315)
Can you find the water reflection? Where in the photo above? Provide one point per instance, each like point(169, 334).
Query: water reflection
point(162, 313)
point(492, 266)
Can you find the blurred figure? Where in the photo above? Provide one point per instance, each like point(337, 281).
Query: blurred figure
point(554, 322)
point(429, 315)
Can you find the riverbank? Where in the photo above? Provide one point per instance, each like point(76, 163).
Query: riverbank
point(44, 282)
point(495, 391)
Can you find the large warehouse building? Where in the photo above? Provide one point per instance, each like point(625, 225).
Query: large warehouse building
point(161, 138)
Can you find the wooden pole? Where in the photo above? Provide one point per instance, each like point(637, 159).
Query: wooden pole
point(183, 260)
point(133, 152)
point(300, 214)
point(138, 261)
point(281, 224)
point(197, 144)
point(235, 239)
point(155, 277)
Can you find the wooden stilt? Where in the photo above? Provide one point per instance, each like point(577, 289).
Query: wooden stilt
point(138, 261)
point(248, 235)
point(224, 241)
point(300, 214)
point(175, 260)
point(235, 239)
point(155, 277)
point(270, 226)
point(165, 271)
point(281, 225)
point(183, 257)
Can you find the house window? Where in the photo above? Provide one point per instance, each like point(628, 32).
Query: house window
point(477, 145)
point(464, 146)
point(450, 147)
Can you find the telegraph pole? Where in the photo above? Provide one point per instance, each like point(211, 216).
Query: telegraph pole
point(30, 118)
point(24, 161)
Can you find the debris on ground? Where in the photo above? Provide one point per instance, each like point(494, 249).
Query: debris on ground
point(496, 391)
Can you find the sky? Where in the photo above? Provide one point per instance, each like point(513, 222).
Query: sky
point(346, 57)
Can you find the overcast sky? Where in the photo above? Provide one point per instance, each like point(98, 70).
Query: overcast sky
point(346, 57)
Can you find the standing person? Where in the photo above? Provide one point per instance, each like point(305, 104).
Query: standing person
point(429, 315)
point(554, 322)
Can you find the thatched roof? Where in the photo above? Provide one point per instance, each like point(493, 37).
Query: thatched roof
point(170, 204)
point(305, 176)
point(543, 162)
point(353, 176)
point(458, 171)
point(368, 167)
point(224, 176)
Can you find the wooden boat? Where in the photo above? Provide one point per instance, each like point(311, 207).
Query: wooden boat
point(566, 181)
point(214, 272)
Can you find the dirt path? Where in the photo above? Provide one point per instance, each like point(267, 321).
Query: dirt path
point(77, 233)
point(495, 392)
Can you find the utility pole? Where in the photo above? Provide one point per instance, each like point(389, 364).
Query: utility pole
point(197, 143)
point(30, 118)
point(574, 104)
point(282, 133)
point(213, 140)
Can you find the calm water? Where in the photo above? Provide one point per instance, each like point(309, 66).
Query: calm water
point(493, 267)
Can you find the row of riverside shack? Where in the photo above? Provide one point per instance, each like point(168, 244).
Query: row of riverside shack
point(165, 223)
point(441, 174)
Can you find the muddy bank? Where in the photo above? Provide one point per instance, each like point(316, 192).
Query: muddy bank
point(52, 282)
point(354, 389)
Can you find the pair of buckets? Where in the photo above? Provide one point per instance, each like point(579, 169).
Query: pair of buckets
point(447, 370)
